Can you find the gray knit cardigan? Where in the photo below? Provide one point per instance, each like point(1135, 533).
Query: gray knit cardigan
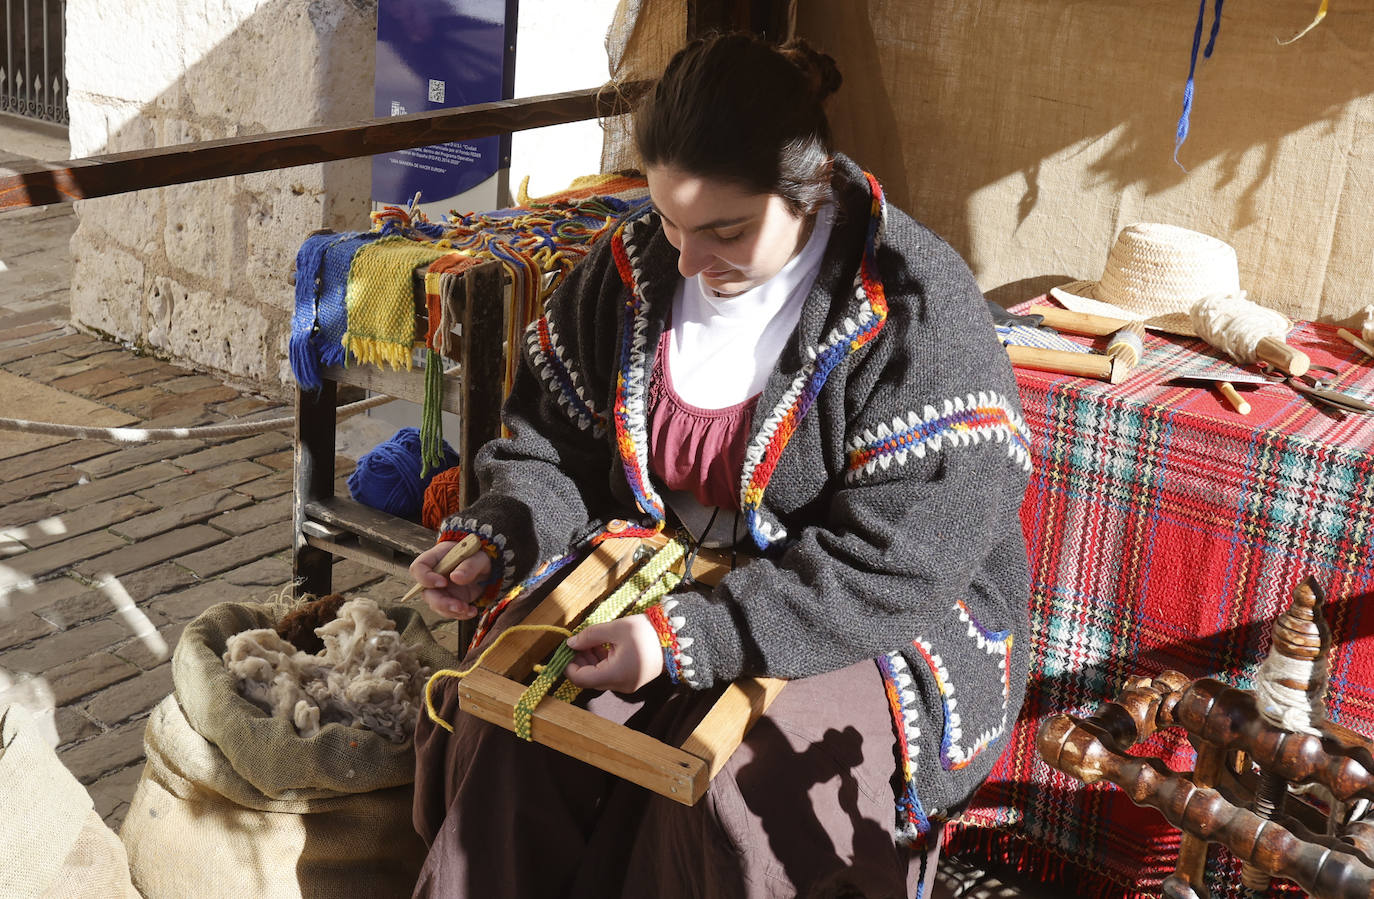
point(882, 483)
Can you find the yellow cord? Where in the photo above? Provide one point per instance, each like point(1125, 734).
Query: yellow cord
point(449, 672)
point(1321, 14)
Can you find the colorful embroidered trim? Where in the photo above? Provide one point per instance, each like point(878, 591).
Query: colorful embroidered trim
point(912, 821)
point(493, 544)
point(493, 611)
point(675, 663)
point(761, 457)
point(552, 566)
point(632, 380)
point(985, 416)
point(999, 643)
point(539, 244)
point(546, 353)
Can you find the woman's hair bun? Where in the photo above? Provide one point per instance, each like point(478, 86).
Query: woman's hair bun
point(821, 73)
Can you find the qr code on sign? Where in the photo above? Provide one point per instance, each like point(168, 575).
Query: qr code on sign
point(436, 91)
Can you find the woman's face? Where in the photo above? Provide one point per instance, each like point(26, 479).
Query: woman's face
point(734, 239)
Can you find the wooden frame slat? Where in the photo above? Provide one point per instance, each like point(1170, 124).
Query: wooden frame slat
point(42, 183)
point(563, 606)
point(682, 774)
point(400, 384)
point(584, 735)
point(366, 522)
point(376, 559)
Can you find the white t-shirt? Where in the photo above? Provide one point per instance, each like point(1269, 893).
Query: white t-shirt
point(722, 349)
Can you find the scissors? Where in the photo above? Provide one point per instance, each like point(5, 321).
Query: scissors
point(1316, 390)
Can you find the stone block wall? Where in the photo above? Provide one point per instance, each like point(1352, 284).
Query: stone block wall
point(200, 272)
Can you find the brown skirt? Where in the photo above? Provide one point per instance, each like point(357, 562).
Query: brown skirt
point(805, 806)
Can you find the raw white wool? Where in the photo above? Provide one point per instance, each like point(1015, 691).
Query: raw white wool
point(364, 677)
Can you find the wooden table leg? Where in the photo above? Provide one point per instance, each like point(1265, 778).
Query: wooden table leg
point(314, 480)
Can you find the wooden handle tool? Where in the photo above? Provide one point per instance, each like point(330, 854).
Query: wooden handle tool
point(1358, 343)
point(467, 547)
point(1078, 322)
point(1281, 355)
point(1232, 396)
point(1084, 365)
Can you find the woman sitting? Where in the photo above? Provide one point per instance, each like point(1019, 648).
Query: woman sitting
point(769, 358)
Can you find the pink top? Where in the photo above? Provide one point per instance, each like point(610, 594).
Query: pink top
point(700, 451)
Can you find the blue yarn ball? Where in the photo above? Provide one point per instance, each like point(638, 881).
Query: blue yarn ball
point(388, 475)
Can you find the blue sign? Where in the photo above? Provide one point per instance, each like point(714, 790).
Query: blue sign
point(433, 54)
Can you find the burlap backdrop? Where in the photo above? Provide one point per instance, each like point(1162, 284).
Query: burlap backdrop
point(643, 36)
point(1029, 134)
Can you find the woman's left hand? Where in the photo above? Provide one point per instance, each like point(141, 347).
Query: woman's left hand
point(621, 655)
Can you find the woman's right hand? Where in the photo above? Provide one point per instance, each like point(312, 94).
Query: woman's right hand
point(454, 595)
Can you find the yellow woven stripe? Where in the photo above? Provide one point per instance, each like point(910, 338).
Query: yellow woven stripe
point(380, 300)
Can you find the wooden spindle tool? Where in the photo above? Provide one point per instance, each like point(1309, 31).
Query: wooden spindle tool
point(467, 547)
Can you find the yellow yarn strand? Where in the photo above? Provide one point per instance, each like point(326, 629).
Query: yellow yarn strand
point(450, 672)
point(567, 691)
point(1321, 14)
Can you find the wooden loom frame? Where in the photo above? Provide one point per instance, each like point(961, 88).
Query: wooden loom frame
point(681, 773)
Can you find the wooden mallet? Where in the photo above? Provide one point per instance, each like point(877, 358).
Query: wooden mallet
point(1123, 349)
point(467, 547)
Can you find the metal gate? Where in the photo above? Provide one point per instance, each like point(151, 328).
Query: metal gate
point(33, 81)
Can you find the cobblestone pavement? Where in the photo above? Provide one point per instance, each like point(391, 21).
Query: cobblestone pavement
point(107, 550)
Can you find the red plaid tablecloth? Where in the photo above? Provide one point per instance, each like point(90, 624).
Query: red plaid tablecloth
point(1167, 531)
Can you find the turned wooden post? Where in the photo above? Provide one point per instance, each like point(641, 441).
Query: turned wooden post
point(1223, 722)
point(1291, 686)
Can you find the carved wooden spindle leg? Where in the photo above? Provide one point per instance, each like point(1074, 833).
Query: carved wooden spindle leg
point(1142, 707)
point(1192, 850)
point(1291, 693)
point(1084, 749)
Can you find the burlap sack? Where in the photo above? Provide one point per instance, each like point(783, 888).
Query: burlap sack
point(54, 844)
point(232, 802)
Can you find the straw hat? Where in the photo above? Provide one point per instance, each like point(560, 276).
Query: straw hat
point(1155, 273)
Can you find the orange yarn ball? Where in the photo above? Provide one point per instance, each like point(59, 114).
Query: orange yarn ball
point(441, 498)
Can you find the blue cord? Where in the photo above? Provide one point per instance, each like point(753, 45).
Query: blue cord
point(1182, 134)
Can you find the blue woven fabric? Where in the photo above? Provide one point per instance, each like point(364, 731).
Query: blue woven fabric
point(304, 361)
point(333, 314)
point(321, 318)
point(1025, 335)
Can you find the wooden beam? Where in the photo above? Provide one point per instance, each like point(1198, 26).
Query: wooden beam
point(43, 183)
point(370, 524)
point(766, 18)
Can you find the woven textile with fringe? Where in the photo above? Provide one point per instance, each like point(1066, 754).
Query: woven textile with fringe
point(381, 300)
point(319, 322)
point(354, 306)
point(540, 240)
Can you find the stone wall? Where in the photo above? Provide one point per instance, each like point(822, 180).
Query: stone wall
point(200, 272)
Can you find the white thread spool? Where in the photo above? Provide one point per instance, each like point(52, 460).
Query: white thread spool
point(1282, 705)
point(1247, 332)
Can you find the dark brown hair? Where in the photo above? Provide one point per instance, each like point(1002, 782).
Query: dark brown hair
point(735, 107)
